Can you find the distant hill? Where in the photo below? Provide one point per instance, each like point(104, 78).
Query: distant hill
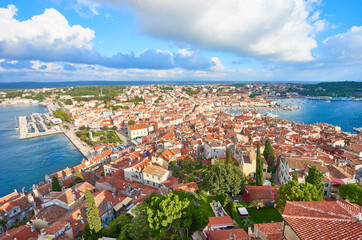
point(333, 89)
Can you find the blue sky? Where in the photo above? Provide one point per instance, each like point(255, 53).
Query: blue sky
point(180, 40)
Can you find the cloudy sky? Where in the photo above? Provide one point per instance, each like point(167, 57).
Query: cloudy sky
point(180, 40)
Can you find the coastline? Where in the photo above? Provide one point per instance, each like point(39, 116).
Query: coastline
point(26, 162)
point(72, 137)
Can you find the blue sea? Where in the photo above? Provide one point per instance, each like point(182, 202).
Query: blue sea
point(25, 162)
point(346, 114)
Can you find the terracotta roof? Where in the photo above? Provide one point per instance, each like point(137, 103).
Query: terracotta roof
point(102, 199)
point(236, 234)
point(8, 197)
point(262, 192)
point(23, 232)
point(311, 229)
point(220, 221)
point(270, 229)
point(324, 220)
point(137, 126)
point(170, 181)
point(50, 214)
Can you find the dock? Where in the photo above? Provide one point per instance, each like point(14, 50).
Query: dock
point(25, 125)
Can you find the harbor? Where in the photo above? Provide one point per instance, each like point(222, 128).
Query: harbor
point(37, 125)
point(259, 108)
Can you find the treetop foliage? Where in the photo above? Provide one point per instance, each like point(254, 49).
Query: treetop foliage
point(259, 167)
point(55, 185)
point(224, 178)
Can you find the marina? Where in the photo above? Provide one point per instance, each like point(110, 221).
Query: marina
point(37, 125)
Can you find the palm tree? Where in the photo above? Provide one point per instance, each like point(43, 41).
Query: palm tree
point(246, 222)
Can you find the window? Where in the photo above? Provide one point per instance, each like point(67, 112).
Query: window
point(159, 178)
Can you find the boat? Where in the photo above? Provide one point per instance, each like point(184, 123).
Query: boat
point(359, 130)
point(269, 114)
point(328, 101)
point(17, 125)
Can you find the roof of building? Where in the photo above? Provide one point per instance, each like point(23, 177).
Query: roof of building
point(23, 232)
point(324, 220)
point(170, 181)
point(220, 221)
point(137, 126)
point(236, 234)
point(8, 197)
point(155, 170)
point(50, 214)
point(262, 192)
point(270, 229)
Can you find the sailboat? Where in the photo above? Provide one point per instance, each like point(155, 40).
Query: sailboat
point(16, 124)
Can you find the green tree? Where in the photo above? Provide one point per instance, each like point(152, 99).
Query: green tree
point(68, 102)
point(55, 185)
point(259, 167)
point(131, 122)
point(268, 153)
point(228, 156)
point(115, 227)
point(352, 192)
point(188, 164)
point(295, 191)
point(246, 222)
point(190, 178)
point(78, 176)
point(137, 229)
point(172, 216)
point(224, 178)
point(114, 128)
point(295, 176)
point(105, 128)
point(94, 221)
point(315, 177)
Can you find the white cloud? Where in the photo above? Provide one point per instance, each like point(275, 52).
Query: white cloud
point(82, 4)
point(48, 35)
point(218, 66)
point(276, 30)
point(345, 47)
